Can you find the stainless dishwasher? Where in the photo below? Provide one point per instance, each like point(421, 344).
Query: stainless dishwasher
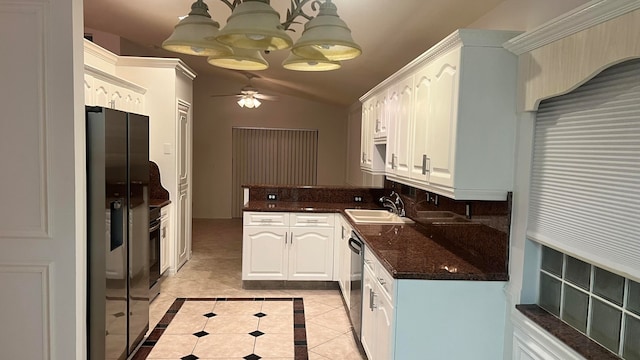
point(357, 260)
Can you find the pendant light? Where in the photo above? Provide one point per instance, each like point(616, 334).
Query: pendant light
point(240, 59)
point(254, 24)
point(329, 35)
point(318, 63)
point(196, 33)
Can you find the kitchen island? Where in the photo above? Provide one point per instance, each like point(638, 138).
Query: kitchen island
point(430, 291)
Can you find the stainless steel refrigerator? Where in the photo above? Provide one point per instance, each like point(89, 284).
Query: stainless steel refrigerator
point(118, 232)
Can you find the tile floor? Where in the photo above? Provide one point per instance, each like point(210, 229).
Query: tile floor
point(214, 271)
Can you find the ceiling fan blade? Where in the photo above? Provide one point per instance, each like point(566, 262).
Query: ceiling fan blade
point(226, 95)
point(266, 97)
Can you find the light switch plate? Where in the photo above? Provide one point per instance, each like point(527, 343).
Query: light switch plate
point(167, 148)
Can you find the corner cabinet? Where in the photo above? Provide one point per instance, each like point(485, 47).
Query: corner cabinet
point(411, 319)
point(287, 246)
point(451, 117)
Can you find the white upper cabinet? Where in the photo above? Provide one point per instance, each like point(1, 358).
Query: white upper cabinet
point(372, 155)
point(452, 129)
point(380, 119)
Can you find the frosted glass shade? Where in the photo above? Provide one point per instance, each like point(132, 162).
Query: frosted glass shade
point(320, 63)
point(195, 34)
point(240, 59)
point(329, 35)
point(254, 25)
point(249, 102)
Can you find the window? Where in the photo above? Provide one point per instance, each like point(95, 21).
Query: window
point(600, 304)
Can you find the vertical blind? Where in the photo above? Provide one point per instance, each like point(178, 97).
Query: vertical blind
point(585, 183)
point(272, 156)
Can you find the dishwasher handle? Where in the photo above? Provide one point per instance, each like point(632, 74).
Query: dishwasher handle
point(355, 246)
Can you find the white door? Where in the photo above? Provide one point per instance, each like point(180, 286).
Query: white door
point(264, 252)
point(183, 212)
point(311, 254)
point(42, 186)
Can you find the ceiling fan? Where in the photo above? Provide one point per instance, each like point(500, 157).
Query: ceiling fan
point(249, 96)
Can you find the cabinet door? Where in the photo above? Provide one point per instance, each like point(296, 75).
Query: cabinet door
point(366, 141)
point(264, 253)
point(380, 131)
point(422, 114)
point(368, 313)
point(403, 127)
point(311, 254)
point(182, 243)
point(345, 261)
point(165, 236)
point(440, 141)
point(384, 326)
point(391, 108)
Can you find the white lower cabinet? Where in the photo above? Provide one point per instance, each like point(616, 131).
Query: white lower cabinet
point(412, 319)
point(344, 257)
point(287, 246)
point(377, 312)
point(165, 238)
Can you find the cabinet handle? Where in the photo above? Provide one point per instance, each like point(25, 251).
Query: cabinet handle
point(382, 282)
point(424, 164)
point(342, 236)
point(371, 306)
point(372, 299)
point(393, 161)
point(363, 157)
point(286, 235)
point(292, 238)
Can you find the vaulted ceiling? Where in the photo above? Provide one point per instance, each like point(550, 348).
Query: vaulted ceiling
point(390, 32)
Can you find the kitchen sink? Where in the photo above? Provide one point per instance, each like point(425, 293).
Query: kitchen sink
point(440, 217)
point(362, 216)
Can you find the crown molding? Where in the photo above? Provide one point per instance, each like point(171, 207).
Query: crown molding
point(99, 52)
point(581, 18)
point(169, 63)
point(97, 73)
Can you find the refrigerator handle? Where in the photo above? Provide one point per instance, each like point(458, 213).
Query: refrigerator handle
point(117, 222)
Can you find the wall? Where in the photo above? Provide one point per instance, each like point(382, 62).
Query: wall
point(213, 119)
point(524, 14)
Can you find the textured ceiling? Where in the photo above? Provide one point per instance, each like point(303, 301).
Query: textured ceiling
point(390, 32)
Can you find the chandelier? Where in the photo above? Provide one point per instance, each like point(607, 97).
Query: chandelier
point(254, 27)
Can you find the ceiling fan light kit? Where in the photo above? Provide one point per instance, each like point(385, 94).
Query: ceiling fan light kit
point(249, 102)
point(240, 59)
point(196, 33)
point(254, 25)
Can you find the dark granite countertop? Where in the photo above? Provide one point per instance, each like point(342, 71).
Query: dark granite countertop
point(407, 251)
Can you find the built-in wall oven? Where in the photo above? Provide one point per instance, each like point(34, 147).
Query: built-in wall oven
point(154, 252)
point(357, 261)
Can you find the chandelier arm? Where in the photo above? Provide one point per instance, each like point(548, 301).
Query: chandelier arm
point(295, 11)
point(232, 5)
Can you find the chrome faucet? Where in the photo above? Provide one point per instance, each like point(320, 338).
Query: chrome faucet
point(394, 203)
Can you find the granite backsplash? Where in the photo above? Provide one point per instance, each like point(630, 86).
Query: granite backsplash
point(328, 194)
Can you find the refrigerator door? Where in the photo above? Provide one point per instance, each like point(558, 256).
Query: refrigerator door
point(107, 205)
point(138, 130)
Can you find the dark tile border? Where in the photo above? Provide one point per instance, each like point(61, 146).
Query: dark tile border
point(299, 325)
point(579, 342)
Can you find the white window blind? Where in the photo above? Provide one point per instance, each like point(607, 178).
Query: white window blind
point(585, 182)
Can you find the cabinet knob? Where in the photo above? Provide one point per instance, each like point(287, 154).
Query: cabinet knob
point(381, 281)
